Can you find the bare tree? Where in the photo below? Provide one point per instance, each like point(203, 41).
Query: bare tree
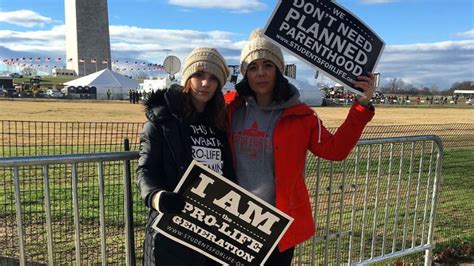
point(394, 85)
point(29, 71)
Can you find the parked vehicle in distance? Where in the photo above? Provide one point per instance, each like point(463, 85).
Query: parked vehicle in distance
point(54, 93)
point(7, 89)
point(8, 93)
point(35, 80)
point(39, 94)
point(15, 75)
point(67, 90)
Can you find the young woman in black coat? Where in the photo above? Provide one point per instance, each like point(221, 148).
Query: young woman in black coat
point(179, 119)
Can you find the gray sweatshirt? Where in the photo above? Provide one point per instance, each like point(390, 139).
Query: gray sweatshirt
point(252, 130)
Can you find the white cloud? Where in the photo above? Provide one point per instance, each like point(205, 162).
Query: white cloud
point(25, 18)
point(422, 64)
point(240, 6)
point(429, 64)
point(149, 43)
point(438, 46)
point(123, 38)
point(41, 41)
point(466, 34)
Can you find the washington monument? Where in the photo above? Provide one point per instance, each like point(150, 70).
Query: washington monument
point(87, 36)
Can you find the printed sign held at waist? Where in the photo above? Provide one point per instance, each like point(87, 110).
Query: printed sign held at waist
point(231, 203)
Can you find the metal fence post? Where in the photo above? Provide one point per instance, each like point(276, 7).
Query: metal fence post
point(47, 208)
point(75, 207)
point(128, 212)
point(103, 234)
point(19, 216)
point(434, 202)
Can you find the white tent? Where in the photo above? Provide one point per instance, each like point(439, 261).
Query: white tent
point(105, 80)
point(310, 95)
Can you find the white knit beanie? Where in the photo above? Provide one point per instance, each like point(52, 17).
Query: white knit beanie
point(259, 47)
point(207, 60)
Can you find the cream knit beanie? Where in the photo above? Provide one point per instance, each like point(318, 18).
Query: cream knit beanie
point(208, 60)
point(259, 47)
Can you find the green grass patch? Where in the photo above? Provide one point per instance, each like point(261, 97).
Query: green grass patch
point(45, 80)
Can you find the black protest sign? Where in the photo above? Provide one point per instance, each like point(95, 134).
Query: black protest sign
point(325, 35)
point(222, 220)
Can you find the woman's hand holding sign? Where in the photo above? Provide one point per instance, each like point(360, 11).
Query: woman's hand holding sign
point(168, 202)
point(367, 84)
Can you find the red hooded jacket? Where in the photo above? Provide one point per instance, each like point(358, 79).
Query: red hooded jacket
point(297, 130)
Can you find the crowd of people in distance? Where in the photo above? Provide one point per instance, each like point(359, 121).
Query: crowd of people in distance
point(134, 96)
point(343, 97)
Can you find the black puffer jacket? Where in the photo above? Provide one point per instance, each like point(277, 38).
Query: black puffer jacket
point(165, 153)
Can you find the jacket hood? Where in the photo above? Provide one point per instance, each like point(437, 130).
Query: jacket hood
point(164, 104)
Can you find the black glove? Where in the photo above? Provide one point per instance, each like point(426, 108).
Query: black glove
point(171, 202)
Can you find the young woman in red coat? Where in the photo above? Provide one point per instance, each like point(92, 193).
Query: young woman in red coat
point(271, 130)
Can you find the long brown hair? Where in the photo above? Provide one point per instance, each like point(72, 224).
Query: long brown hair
point(281, 91)
point(215, 109)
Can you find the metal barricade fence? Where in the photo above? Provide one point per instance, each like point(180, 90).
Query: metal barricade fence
point(378, 204)
point(52, 228)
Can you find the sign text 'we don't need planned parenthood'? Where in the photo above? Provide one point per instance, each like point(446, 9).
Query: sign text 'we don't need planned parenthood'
point(327, 36)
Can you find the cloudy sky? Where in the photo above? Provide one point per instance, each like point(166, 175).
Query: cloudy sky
point(428, 42)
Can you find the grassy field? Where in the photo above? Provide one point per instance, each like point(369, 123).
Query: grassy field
point(114, 111)
point(45, 81)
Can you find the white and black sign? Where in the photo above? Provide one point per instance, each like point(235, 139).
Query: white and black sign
point(222, 220)
point(206, 148)
point(325, 35)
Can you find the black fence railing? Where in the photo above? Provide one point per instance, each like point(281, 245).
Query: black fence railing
point(26, 138)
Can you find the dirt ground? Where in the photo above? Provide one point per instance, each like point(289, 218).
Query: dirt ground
point(113, 111)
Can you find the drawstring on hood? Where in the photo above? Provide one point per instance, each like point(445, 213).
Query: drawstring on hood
point(319, 128)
